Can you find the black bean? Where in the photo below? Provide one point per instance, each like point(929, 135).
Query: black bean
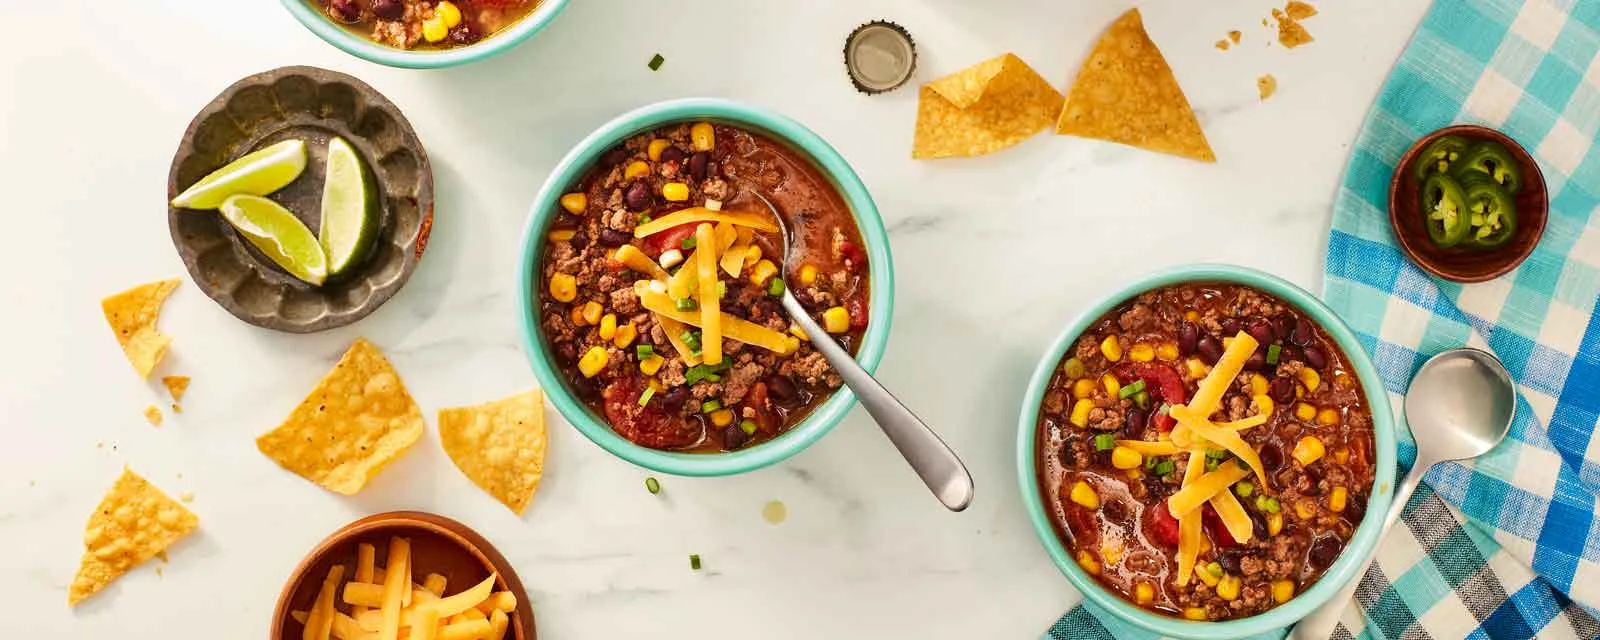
point(734, 437)
point(1133, 422)
point(1283, 327)
point(672, 154)
point(698, 163)
point(614, 157)
point(1314, 358)
point(346, 11)
point(388, 9)
point(1068, 456)
point(1187, 335)
point(1324, 550)
point(783, 388)
point(464, 34)
point(1271, 458)
point(1261, 330)
point(637, 197)
point(1258, 526)
point(1229, 560)
point(580, 240)
point(1303, 332)
point(1355, 509)
point(565, 352)
point(1291, 353)
point(1209, 348)
point(613, 238)
point(1257, 361)
point(673, 400)
point(1230, 326)
point(584, 387)
point(1281, 390)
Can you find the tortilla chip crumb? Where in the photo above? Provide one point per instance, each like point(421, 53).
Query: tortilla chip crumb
point(1222, 45)
point(187, 496)
point(177, 408)
point(176, 385)
point(1291, 33)
point(1267, 85)
point(1234, 36)
point(153, 414)
point(1297, 10)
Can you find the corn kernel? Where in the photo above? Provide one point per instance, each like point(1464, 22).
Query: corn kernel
point(1084, 495)
point(1194, 613)
point(1341, 455)
point(1299, 392)
point(1308, 450)
point(1125, 458)
point(1282, 590)
point(1263, 404)
point(576, 315)
point(763, 270)
point(1089, 564)
point(1328, 417)
point(1080, 412)
point(1142, 353)
point(1274, 523)
point(592, 311)
point(449, 12)
point(1196, 368)
point(1191, 316)
point(1258, 384)
point(1338, 498)
point(1343, 380)
point(1082, 388)
point(675, 191)
point(562, 235)
point(1133, 474)
point(649, 366)
point(1310, 378)
point(434, 29)
point(593, 361)
point(752, 255)
point(575, 203)
point(1111, 349)
point(702, 136)
point(797, 332)
point(722, 417)
point(1206, 576)
point(563, 287)
point(608, 326)
point(808, 275)
point(1111, 384)
point(656, 147)
point(1167, 351)
point(836, 320)
point(636, 169)
point(624, 336)
point(1305, 412)
point(656, 384)
point(1143, 593)
point(1228, 588)
point(1305, 509)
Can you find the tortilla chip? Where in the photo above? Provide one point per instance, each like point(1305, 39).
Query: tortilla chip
point(153, 414)
point(982, 109)
point(358, 419)
point(1234, 36)
point(499, 445)
point(1126, 93)
point(134, 523)
point(1297, 10)
point(1222, 45)
point(132, 315)
point(176, 385)
point(1291, 33)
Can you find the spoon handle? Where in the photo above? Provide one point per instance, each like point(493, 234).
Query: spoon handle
point(1320, 623)
point(934, 462)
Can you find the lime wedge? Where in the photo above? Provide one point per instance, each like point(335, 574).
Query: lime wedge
point(258, 173)
point(349, 208)
point(280, 235)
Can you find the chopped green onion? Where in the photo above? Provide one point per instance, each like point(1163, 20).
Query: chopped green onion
point(644, 398)
point(686, 304)
point(1214, 569)
point(644, 351)
point(1216, 454)
point(749, 427)
point(1267, 503)
point(694, 561)
point(691, 339)
point(1272, 354)
point(1244, 488)
point(1074, 369)
point(652, 485)
point(1150, 463)
point(643, 218)
point(1105, 442)
point(710, 405)
point(1130, 390)
point(1213, 465)
point(655, 64)
point(705, 372)
point(722, 289)
point(689, 242)
point(1164, 467)
point(1142, 399)
point(775, 287)
point(712, 377)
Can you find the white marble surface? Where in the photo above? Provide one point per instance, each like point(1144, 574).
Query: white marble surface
point(993, 256)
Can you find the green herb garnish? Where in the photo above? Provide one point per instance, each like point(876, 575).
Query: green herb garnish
point(1131, 390)
point(652, 485)
point(655, 64)
point(1105, 442)
point(689, 242)
point(749, 427)
point(644, 351)
point(775, 287)
point(1244, 489)
point(694, 558)
point(644, 398)
point(710, 405)
point(1164, 467)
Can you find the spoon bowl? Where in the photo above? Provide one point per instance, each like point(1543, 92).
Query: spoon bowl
point(1460, 405)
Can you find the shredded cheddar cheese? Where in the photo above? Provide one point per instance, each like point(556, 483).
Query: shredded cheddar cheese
point(1195, 493)
point(733, 327)
point(710, 306)
point(702, 214)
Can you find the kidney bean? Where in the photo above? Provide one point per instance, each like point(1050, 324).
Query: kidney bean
point(734, 437)
point(1315, 358)
point(565, 352)
point(1229, 559)
point(1209, 348)
point(1256, 362)
point(1188, 334)
point(673, 400)
point(697, 163)
point(1303, 332)
point(346, 11)
point(613, 238)
point(672, 154)
point(388, 9)
point(637, 197)
point(1261, 330)
point(614, 157)
point(1281, 390)
point(1324, 550)
point(1133, 422)
point(1283, 327)
point(580, 241)
point(782, 388)
point(464, 34)
point(1230, 326)
point(1271, 458)
point(584, 387)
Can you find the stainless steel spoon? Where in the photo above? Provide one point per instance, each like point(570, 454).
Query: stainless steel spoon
point(1459, 406)
point(929, 456)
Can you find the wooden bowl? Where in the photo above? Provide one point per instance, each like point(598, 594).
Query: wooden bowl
point(438, 545)
point(1458, 264)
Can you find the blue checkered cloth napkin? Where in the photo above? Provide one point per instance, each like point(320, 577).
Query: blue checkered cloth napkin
point(1508, 545)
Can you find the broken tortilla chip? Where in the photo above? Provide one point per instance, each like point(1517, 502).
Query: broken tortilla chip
point(176, 385)
point(1267, 85)
point(1126, 93)
point(1291, 33)
point(134, 523)
point(499, 445)
point(1298, 10)
point(132, 315)
point(358, 419)
point(982, 109)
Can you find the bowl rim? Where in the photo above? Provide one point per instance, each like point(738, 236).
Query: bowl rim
point(829, 163)
point(497, 43)
point(1350, 561)
point(1419, 253)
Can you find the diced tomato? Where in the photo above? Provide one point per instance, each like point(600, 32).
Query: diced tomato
point(663, 240)
point(646, 425)
point(857, 306)
point(1161, 382)
point(757, 399)
point(1220, 535)
point(1160, 527)
point(855, 258)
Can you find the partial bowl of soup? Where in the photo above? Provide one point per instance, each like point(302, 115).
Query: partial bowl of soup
point(424, 34)
point(652, 271)
point(1207, 452)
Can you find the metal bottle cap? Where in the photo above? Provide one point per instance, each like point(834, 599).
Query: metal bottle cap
point(880, 56)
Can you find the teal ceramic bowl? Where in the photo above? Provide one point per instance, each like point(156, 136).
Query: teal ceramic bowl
point(776, 127)
point(1349, 562)
point(310, 14)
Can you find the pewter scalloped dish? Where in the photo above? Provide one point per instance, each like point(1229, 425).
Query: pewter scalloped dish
point(314, 105)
